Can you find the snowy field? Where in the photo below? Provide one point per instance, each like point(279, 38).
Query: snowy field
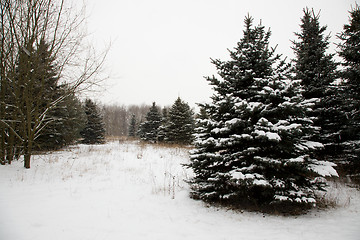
point(133, 191)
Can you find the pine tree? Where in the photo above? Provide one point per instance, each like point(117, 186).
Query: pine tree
point(164, 122)
point(66, 118)
point(180, 126)
point(94, 131)
point(253, 148)
point(132, 127)
point(350, 52)
point(202, 113)
point(35, 91)
point(74, 120)
point(47, 80)
point(313, 66)
point(317, 72)
point(149, 130)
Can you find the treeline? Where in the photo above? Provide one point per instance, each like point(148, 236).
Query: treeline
point(117, 118)
point(174, 124)
point(274, 131)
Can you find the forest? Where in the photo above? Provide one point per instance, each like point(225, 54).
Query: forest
point(272, 133)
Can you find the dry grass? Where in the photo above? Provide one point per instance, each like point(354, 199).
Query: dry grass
point(338, 194)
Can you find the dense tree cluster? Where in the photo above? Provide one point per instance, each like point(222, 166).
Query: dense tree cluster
point(174, 125)
point(43, 66)
point(55, 115)
point(42, 114)
point(265, 139)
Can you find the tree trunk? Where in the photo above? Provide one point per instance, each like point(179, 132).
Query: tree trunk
point(27, 157)
point(27, 160)
point(2, 151)
point(10, 148)
point(27, 151)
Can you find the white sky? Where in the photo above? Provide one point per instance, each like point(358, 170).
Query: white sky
point(161, 49)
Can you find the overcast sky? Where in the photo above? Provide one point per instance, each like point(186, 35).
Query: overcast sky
point(161, 49)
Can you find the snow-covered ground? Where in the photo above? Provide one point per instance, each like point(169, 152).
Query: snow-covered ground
point(133, 191)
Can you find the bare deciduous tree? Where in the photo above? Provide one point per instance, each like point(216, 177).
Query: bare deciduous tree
point(117, 118)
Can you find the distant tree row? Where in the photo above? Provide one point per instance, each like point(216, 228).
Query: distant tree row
point(266, 139)
point(117, 118)
point(173, 124)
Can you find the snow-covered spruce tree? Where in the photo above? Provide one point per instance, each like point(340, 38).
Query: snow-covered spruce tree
point(180, 126)
point(350, 52)
point(317, 72)
point(253, 148)
point(164, 122)
point(148, 130)
point(94, 131)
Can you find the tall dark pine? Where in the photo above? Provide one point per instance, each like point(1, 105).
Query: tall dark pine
point(253, 145)
point(34, 88)
point(73, 120)
point(317, 72)
point(65, 116)
point(94, 131)
point(180, 126)
point(149, 130)
point(350, 52)
point(313, 66)
point(67, 119)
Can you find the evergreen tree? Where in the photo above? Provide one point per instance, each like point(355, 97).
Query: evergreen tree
point(149, 129)
point(46, 75)
point(132, 127)
point(317, 72)
point(350, 52)
point(94, 131)
point(253, 148)
point(313, 66)
point(74, 120)
point(164, 122)
point(180, 126)
point(202, 114)
point(36, 93)
point(64, 119)
point(68, 119)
